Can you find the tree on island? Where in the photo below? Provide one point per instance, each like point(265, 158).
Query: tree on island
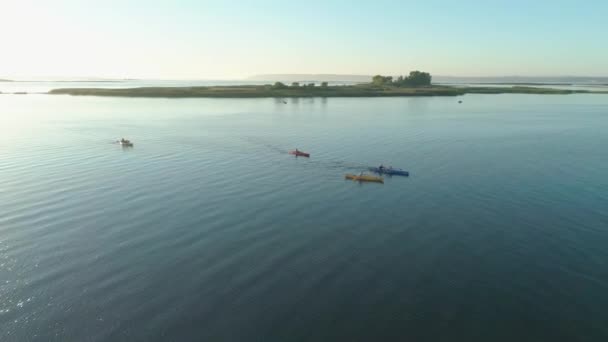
point(279, 85)
point(415, 79)
point(295, 84)
point(380, 80)
point(323, 84)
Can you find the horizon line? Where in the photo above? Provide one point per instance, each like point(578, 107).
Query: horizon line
point(102, 78)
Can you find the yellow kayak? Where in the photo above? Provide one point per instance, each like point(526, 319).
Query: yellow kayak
point(364, 178)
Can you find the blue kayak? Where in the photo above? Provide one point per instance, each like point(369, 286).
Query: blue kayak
point(389, 171)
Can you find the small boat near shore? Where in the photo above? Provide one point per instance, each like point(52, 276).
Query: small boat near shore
point(364, 178)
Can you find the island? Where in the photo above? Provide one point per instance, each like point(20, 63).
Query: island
point(417, 83)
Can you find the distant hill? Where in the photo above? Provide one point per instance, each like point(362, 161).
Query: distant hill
point(311, 78)
point(3, 80)
point(523, 79)
point(302, 78)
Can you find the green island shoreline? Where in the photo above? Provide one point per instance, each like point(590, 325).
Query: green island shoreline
point(417, 83)
point(267, 91)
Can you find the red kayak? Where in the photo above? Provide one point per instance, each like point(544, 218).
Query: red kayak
point(300, 154)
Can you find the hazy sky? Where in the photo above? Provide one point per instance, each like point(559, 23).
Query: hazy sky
point(235, 39)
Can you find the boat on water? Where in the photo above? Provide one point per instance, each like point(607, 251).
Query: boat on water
point(299, 153)
point(364, 178)
point(389, 171)
point(125, 142)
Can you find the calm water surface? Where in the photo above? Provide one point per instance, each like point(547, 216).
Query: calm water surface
point(208, 230)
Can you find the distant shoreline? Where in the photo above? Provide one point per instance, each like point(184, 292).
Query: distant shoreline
point(257, 91)
point(440, 79)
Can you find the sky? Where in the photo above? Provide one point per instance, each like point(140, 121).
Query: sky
point(201, 39)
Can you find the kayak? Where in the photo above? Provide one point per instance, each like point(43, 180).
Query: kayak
point(364, 178)
point(126, 143)
point(389, 171)
point(300, 154)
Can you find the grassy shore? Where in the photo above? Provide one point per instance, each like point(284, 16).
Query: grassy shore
point(361, 90)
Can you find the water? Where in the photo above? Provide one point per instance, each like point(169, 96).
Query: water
point(208, 230)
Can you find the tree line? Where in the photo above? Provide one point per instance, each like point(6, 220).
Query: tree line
point(415, 79)
point(281, 85)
